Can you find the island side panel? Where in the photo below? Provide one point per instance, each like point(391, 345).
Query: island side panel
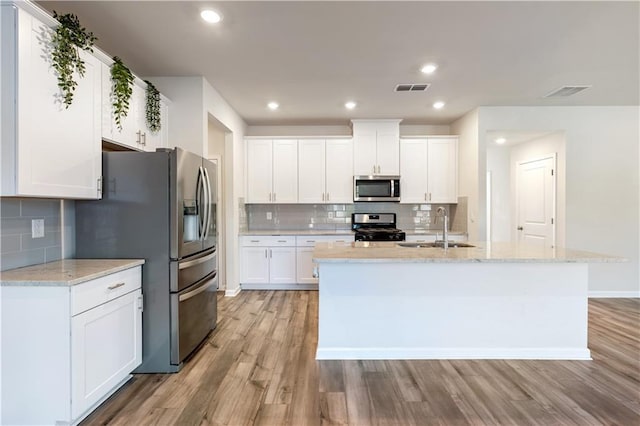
point(452, 311)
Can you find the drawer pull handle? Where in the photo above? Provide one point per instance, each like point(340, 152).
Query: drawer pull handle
point(311, 241)
point(114, 286)
point(255, 241)
point(282, 241)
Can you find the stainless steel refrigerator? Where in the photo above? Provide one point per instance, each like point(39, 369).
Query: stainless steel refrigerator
point(161, 207)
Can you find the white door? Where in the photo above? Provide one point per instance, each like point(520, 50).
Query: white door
point(255, 265)
point(282, 265)
point(106, 345)
point(259, 171)
point(442, 169)
point(535, 201)
point(413, 171)
point(339, 171)
point(311, 171)
point(285, 171)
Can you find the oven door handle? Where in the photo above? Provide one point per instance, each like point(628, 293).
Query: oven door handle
point(207, 282)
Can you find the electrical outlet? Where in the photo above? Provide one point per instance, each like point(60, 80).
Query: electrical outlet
point(330, 215)
point(269, 216)
point(37, 228)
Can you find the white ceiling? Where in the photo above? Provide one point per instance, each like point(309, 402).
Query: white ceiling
point(311, 57)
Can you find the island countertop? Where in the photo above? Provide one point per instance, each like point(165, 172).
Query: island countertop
point(379, 252)
point(67, 272)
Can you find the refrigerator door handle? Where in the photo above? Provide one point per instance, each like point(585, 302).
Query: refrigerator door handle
point(208, 201)
point(199, 190)
point(207, 283)
point(198, 261)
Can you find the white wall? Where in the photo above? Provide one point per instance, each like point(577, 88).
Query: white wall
point(216, 145)
point(187, 126)
point(498, 163)
point(217, 107)
point(602, 182)
point(468, 168)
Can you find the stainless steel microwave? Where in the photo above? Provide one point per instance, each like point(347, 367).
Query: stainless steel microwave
point(376, 188)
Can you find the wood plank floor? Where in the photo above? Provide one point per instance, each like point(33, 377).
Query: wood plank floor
point(258, 367)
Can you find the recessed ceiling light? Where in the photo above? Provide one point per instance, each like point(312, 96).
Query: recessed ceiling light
point(429, 68)
point(273, 106)
point(438, 105)
point(211, 16)
point(350, 105)
point(500, 141)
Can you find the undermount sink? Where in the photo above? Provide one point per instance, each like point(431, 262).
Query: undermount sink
point(437, 244)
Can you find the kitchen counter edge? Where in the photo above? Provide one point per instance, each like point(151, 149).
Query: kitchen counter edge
point(65, 273)
point(338, 232)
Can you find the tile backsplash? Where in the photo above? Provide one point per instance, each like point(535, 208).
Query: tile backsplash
point(17, 248)
point(261, 217)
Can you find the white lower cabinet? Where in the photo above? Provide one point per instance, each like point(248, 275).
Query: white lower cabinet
point(267, 261)
point(281, 262)
point(67, 348)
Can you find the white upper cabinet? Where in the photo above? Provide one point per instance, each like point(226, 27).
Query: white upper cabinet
point(339, 171)
point(311, 171)
point(325, 171)
point(47, 150)
point(413, 171)
point(376, 147)
point(429, 170)
point(272, 171)
point(442, 167)
point(134, 132)
point(285, 171)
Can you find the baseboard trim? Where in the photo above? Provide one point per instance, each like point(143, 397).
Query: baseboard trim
point(614, 294)
point(232, 292)
point(279, 286)
point(452, 353)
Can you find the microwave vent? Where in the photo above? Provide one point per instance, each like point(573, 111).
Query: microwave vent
point(417, 87)
point(564, 91)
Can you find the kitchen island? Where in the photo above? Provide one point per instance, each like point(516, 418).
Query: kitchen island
point(491, 301)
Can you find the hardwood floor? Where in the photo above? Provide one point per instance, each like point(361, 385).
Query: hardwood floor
point(258, 367)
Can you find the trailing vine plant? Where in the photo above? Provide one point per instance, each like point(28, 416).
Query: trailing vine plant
point(153, 108)
point(67, 39)
point(121, 89)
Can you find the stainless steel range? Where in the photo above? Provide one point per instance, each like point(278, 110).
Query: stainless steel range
point(376, 227)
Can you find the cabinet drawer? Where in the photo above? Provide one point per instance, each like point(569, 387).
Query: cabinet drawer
point(311, 240)
point(95, 292)
point(268, 241)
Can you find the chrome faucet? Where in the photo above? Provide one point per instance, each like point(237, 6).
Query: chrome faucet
point(445, 226)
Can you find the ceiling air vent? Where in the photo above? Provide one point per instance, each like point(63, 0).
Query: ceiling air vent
point(420, 87)
point(564, 91)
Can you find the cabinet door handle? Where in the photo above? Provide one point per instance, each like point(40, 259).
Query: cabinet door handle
point(143, 139)
point(274, 196)
point(327, 196)
point(255, 241)
point(429, 196)
point(139, 137)
point(374, 169)
point(114, 286)
point(270, 254)
point(265, 253)
point(323, 196)
point(425, 196)
point(269, 196)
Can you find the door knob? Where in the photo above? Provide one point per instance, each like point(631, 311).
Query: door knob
point(520, 228)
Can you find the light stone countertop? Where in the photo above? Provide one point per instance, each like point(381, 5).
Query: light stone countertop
point(339, 232)
point(67, 272)
point(378, 252)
